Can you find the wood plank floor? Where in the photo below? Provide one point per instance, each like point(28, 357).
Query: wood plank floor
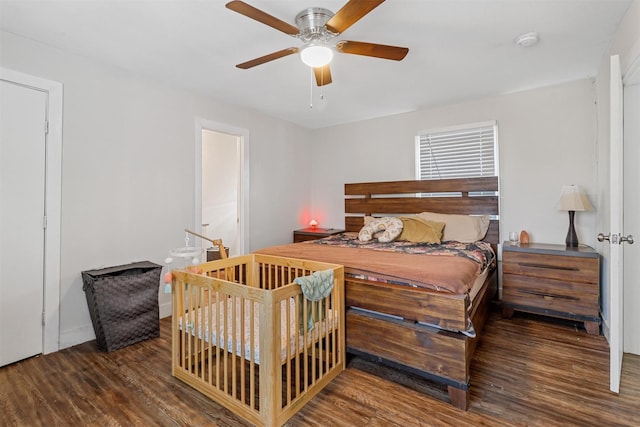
point(526, 372)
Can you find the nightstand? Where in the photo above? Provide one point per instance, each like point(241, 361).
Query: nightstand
point(552, 280)
point(314, 233)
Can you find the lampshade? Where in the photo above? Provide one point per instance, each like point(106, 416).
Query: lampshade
point(316, 54)
point(313, 223)
point(573, 199)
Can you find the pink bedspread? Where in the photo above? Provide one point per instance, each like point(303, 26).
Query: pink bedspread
point(452, 274)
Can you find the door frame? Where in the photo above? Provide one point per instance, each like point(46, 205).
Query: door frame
point(243, 178)
point(53, 194)
point(631, 77)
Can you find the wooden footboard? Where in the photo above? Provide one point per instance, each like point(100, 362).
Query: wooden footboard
point(447, 311)
point(428, 351)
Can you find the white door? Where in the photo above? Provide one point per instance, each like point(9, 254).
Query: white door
point(616, 224)
point(22, 206)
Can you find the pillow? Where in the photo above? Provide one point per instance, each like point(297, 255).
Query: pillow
point(367, 220)
point(419, 230)
point(462, 228)
point(385, 229)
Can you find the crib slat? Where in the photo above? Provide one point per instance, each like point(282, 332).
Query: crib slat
point(225, 328)
point(252, 365)
point(234, 343)
point(217, 342)
point(210, 301)
point(242, 349)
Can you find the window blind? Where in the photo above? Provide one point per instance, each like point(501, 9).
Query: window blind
point(462, 152)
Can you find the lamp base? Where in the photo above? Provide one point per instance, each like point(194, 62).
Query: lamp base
point(572, 237)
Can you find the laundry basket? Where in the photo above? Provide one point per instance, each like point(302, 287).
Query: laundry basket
point(123, 303)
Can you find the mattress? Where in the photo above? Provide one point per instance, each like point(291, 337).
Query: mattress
point(242, 336)
point(451, 267)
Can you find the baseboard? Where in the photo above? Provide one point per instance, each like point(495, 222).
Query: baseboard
point(82, 334)
point(76, 336)
point(165, 310)
point(605, 330)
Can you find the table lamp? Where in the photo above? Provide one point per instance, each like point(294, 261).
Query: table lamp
point(572, 200)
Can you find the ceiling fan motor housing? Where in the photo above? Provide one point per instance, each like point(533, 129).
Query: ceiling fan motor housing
point(312, 24)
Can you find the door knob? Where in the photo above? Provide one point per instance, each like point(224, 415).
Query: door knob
point(614, 238)
point(628, 239)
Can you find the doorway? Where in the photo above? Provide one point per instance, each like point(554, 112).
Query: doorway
point(222, 184)
point(39, 105)
point(220, 192)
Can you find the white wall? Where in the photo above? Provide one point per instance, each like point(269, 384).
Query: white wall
point(547, 139)
point(128, 169)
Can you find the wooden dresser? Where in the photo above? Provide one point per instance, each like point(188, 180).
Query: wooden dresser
point(314, 233)
point(552, 280)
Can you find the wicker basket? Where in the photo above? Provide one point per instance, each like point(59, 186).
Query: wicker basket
point(123, 303)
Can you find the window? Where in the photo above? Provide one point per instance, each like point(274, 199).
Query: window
point(459, 152)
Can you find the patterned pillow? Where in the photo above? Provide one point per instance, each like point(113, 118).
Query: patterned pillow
point(385, 229)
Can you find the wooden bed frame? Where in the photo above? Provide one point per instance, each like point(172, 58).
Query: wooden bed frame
point(430, 352)
point(240, 365)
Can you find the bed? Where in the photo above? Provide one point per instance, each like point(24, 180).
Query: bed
point(432, 330)
point(246, 333)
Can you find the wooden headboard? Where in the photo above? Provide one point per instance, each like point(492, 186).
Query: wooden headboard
point(449, 196)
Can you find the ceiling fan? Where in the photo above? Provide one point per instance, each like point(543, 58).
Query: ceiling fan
point(315, 27)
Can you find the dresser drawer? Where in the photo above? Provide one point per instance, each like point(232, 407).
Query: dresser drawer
point(564, 268)
point(573, 298)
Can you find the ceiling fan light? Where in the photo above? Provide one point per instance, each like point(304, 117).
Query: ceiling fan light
point(316, 55)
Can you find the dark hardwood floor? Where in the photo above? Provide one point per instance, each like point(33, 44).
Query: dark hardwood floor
point(526, 372)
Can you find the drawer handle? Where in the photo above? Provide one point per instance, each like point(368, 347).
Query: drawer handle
point(545, 266)
point(545, 295)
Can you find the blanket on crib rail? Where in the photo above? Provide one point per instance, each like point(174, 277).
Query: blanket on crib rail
point(315, 287)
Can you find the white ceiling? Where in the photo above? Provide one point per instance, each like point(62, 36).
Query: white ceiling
point(458, 49)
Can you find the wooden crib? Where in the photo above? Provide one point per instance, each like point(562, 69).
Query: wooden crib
point(245, 335)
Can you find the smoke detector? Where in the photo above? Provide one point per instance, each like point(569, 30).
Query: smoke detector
point(527, 39)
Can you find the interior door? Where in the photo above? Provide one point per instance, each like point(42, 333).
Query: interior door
point(22, 206)
point(616, 223)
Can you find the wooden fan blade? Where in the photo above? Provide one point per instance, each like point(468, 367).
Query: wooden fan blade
point(260, 16)
point(351, 13)
point(270, 57)
point(371, 49)
point(323, 75)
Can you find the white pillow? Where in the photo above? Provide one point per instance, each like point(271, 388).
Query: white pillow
point(461, 228)
point(385, 229)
